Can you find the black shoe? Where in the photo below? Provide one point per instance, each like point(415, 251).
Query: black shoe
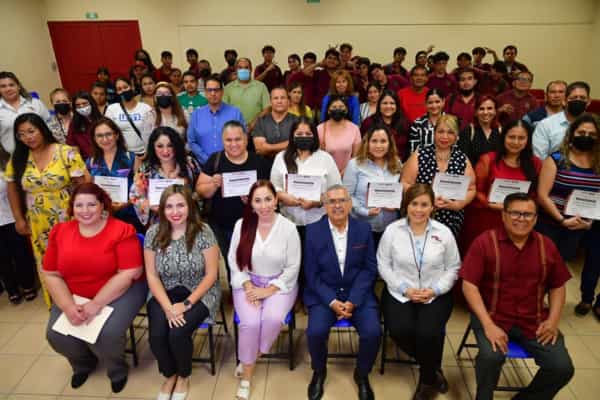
point(78, 379)
point(425, 392)
point(364, 387)
point(117, 386)
point(441, 384)
point(583, 309)
point(315, 388)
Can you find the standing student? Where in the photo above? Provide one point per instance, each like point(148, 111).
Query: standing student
point(182, 264)
point(147, 87)
point(417, 299)
point(103, 76)
point(191, 98)
point(264, 257)
point(168, 111)
point(85, 115)
point(99, 94)
point(132, 117)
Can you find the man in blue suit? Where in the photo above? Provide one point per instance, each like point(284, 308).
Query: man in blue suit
point(340, 270)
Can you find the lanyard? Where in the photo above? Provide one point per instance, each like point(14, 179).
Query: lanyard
point(419, 263)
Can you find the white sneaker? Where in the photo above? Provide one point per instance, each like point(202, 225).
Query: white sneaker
point(243, 392)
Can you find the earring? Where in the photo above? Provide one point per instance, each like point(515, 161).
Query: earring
point(104, 214)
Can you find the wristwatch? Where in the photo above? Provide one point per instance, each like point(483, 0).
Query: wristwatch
point(187, 303)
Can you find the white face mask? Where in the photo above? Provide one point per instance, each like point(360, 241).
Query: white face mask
point(84, 111)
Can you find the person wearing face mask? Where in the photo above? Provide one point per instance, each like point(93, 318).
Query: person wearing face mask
point(85, 115)
point(133, 118)
point(263, 277)
point(483, 134)
point(337, 135)
point(420, 133)
point(575, 166)
point(168, 111)
point(61, 120)
point(549, 133)
point(463, 103)
point(249, 95)
point(342, 84)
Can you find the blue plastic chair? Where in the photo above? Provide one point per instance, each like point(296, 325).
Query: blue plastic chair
point(342, 324)
point(515, 352)
point(290, 321)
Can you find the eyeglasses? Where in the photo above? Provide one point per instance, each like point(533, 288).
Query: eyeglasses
point(524, 79)
point(106, 135)
point(212, 90)
point(23, 135)
point(527, 216)
point(336, 202)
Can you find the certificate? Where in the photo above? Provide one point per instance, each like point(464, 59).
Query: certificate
point(384, 194)
point(450, 186)
point(237, 183)
point(306, 187)
point(88, 332)
point(503, 187)
point(157, 186)
point(116, 187)
point(583, 203)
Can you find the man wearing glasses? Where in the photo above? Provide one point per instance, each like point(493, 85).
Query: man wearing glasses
point(518, 101)
point(506, 275)
point(206, 123)
point(340, 269)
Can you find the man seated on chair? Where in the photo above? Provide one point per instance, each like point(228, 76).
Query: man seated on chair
point(506, 274)
point(340, 270)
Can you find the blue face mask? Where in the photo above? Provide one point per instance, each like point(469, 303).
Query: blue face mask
point(243, 74)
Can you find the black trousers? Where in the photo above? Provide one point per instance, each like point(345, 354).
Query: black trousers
point(17, 267)
point(173, 347)
point(418, 329)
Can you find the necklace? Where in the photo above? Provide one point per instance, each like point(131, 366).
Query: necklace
point(442, 158)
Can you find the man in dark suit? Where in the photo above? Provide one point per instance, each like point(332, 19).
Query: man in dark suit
point(340, 270)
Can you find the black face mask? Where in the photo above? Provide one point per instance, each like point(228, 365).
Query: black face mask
point(583, 143)
point(576, 107)
point(465, 92)
point(337, 115)
point(164, 101)
point(304, 142)
point(62, 108)
point(127, 95)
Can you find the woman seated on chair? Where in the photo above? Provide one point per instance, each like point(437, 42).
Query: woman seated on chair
point(417, 302)
point(265, 261)
point(181, 257)
point(113, 277)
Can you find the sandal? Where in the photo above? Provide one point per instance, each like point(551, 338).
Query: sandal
point(243, 392)
point(239, 370)
point(30, 294)
point(16, 299)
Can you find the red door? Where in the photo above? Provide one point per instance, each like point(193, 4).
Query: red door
point(81, 47)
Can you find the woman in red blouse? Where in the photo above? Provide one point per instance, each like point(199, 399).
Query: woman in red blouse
point(514, 159)
point(98, 258)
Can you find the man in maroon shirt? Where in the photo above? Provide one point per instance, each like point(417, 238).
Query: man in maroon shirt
point(412, 98)
point(162, 74)
point(395, 67)
point(192, 58)
point(462, 104)
point(440, 79)
point(346, 57)
point(316, 81)
point(516, 102)
point(268, 72)
point(390, 82)
point(506, 274)
point(513, 67)
point(228, 74)
point(479, 54)
point(492, 82)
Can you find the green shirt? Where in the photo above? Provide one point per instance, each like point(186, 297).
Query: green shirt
point(250, 98)
point(190, 103)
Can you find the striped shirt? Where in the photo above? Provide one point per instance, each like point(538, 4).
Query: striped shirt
point(571, 178)
point(420, 133)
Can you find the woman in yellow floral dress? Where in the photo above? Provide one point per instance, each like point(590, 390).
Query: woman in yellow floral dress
point(39, 175)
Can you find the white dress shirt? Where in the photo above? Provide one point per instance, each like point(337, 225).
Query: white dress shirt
point(6, 215)
point(8, 115)
point(278, 254)
point(340, 242)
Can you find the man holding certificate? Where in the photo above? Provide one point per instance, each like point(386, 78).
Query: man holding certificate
point(576, 167)
point(455, 186)
point(373, 181)
point(511, 168)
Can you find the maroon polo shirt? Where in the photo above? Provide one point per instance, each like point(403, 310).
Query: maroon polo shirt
point(521, 281)
point(395, 83)
point(445, 84)
point(521, 106)
point(162, 76)
point(456, 106)
point(273, 79)
point(489, 87)
point(395, 69)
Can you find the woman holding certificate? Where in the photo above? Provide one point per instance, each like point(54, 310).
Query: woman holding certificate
point(576, 166)
point(182, 262)
point(417, 302)
point(265, 263)
point(223, 211)
point(377, 162)
point(511, 168)
point(112, 166)
point(100, 270)
point(166, 160)
point(444, 166)
point(301, 174)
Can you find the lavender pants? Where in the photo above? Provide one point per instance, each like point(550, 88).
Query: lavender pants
point(260, 325)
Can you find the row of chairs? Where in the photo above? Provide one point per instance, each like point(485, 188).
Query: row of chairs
point(515, 351)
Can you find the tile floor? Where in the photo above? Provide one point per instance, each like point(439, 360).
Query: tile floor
point(30, 370)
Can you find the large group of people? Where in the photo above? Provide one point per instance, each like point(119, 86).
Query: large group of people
point(347, 124)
